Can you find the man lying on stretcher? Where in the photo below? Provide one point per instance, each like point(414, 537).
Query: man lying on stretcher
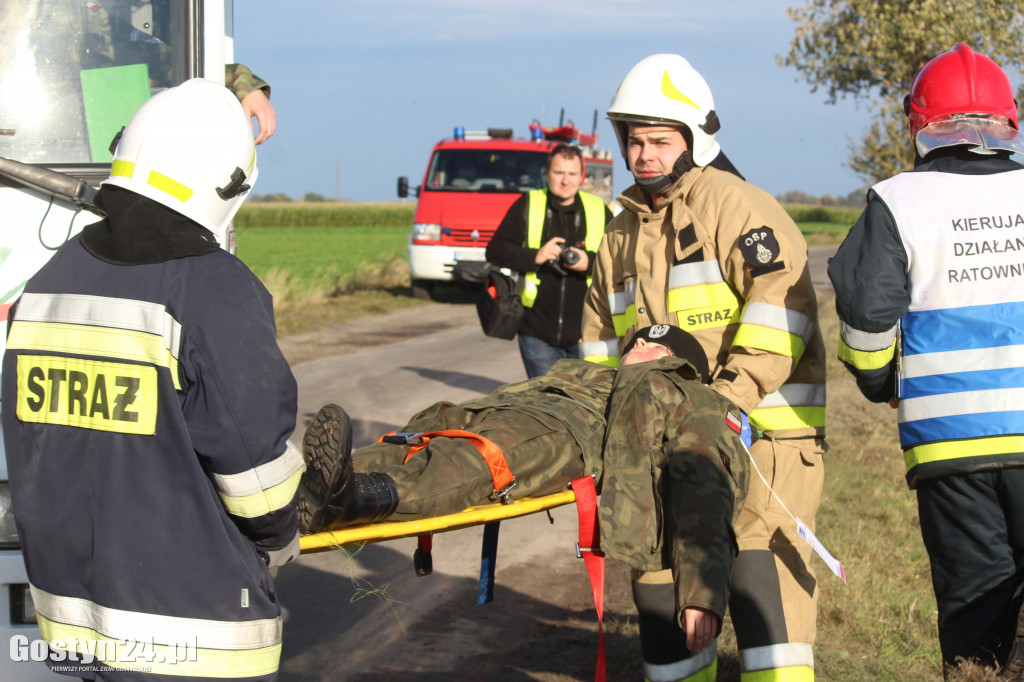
point(663, 448)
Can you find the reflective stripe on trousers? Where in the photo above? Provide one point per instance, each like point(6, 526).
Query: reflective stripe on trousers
point(793, 662)
point(700, 668)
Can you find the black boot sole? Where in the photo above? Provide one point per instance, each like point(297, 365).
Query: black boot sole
point(327, 441)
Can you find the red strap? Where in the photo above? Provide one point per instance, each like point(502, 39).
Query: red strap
point(589, 548)
point(501, 474)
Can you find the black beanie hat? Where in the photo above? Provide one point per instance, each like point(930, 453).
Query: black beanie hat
point(681, 343)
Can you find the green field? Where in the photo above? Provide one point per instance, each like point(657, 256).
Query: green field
point(312, 253)
point(326, 214)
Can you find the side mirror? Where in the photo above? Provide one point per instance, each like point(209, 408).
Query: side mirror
point(403, 187)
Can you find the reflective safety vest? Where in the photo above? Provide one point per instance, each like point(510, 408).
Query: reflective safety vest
point(593, 212)
point(961, 366)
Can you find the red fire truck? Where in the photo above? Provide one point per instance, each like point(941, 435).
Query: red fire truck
point(471, 180)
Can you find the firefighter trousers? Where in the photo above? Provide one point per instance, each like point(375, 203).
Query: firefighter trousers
point(973, 529)
point(774, 596)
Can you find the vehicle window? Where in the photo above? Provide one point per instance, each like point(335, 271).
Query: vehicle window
point(598, 180)
point(74, 72)
point(486, 170)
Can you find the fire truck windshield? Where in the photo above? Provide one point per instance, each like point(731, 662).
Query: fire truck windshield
point(74, 72)
point(486, 170)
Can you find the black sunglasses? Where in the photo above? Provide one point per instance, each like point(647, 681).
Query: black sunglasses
point(566, 148)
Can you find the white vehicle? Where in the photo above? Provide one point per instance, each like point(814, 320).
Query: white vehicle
point(72, 73)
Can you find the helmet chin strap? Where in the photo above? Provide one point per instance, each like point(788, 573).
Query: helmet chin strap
point(661, 183)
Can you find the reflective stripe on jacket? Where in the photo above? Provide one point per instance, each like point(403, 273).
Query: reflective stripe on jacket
point(734, 274)
point(593, 212)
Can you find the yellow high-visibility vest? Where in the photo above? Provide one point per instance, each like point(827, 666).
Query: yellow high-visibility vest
point(593, 211)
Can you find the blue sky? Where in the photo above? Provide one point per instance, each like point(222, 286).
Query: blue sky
point(363, 89)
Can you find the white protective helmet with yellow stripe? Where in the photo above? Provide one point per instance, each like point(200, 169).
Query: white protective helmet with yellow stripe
point(191, 149)
point(665, 89)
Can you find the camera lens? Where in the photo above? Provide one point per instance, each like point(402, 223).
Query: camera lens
point(570, 257)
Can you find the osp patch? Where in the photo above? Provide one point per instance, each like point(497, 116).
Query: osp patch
point(760, 249)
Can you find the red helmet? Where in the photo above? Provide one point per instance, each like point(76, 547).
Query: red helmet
point(959, 82)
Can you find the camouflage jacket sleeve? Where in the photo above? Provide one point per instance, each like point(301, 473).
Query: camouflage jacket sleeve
point(241, 81)
point(675, 478)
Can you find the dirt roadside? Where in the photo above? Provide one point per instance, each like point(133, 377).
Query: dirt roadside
point(354, 335)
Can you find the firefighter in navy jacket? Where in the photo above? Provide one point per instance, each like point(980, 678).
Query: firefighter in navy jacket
point(929, 295)
point(147, 413)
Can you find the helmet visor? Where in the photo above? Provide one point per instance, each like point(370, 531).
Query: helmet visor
point(983, 134)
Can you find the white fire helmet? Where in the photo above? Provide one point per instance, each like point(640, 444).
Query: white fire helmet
point(665, 89)
point(191, 149)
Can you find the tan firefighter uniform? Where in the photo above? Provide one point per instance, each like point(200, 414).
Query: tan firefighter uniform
point(722, 260)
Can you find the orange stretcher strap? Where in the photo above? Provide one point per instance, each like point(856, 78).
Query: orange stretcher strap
point(501, 474)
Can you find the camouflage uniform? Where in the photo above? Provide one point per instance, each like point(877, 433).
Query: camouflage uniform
point(241, 81)
point(675, 477)
point(674, 474)
point(548, 428)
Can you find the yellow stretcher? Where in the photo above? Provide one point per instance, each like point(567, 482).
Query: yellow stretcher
point(471, 516)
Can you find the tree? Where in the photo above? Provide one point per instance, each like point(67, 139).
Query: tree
point(269, 198)
point(796, 196)
point(872, 49)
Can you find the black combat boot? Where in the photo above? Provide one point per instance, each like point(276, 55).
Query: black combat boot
point(332, 495)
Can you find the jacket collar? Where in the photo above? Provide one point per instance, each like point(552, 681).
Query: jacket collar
point(636, 201)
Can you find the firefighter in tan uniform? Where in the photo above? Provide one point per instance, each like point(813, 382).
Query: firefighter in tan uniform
point(698, 247)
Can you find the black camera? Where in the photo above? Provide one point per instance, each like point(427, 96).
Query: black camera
point(566, 257)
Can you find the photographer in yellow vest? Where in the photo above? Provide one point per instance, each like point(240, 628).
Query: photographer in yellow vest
point(551, 237)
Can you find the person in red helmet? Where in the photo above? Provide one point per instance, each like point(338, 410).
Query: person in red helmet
point(931, 303)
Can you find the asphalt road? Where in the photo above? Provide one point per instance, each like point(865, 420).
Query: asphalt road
point(369, 617)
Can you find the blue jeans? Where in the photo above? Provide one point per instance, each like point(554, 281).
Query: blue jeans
point(539, 356)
